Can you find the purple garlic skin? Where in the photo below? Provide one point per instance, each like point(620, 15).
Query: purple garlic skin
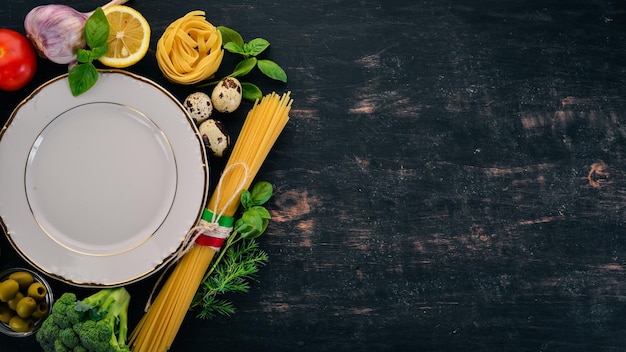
point(56, 31)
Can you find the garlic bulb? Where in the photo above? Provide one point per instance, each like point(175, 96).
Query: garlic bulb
point(56, 31)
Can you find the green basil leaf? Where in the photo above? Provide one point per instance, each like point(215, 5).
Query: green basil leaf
point(244, 229)
point(246, 199)
point(251, 234)
point(250, 225)
point(244, 67)
point(87, 56)
point(261, 212)
point(266, 222)
point(255, 46)
point(261, 192)
point(84, 56)
point(82, 77)
point(96, 29)
point(230, 35)
point(99, 51)
point(234, 48)
point(250, 91)
point(253, 219)
point(272, 70)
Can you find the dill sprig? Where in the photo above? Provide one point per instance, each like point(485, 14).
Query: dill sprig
point(231, 274)
point(240, 258)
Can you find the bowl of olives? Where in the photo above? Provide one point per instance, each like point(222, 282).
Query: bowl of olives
point(25, 301)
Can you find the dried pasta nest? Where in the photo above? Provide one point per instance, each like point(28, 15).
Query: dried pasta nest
point(190, 50)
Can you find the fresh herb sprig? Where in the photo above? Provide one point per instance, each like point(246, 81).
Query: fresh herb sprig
point(236, 268)
point(240, 259)
point(255, 217)
point(233, 42)
point(84, 74)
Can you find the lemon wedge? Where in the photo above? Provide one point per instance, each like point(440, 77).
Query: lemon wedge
point(129, 37)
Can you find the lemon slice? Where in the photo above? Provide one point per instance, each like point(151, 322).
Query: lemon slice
point(129, 37)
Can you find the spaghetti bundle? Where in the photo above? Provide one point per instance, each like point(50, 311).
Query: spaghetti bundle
point(158, 327)
point(190, 50)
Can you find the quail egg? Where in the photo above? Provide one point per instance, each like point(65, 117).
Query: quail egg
point(226, 95)
point(215, 137)
point(199, 106)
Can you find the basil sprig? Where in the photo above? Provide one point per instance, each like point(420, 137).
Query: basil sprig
point(233, 42)
point(255, 217)
point(84, 74)
point(240, 258)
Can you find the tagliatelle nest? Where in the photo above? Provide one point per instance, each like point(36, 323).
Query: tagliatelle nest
point(190, 50)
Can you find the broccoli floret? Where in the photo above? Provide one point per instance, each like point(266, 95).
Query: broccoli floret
point(110, 307)
point(48, 333)
point(47, 346)
point(69, 338)
point(61, 314)
point(97, 323)
point(60, 347)
point(63, 309)
point(95, 335)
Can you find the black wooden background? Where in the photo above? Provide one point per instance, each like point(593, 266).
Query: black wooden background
point(453, 176)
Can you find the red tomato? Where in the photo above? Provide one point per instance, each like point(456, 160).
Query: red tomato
point(18, 60)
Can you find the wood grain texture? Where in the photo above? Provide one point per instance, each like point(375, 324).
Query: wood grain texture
point(452, 177)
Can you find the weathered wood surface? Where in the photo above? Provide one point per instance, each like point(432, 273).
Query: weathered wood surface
point(453, 176)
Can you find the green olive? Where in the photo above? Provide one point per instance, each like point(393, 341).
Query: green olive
point(37, 291)
point(6, 313)
point(12, 303)
point(26, 306)
point(8, 289)
point(19, 324)
point(41, 310)
point(23, 278)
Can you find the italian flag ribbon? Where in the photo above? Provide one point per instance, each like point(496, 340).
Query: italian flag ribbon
point(214, 230)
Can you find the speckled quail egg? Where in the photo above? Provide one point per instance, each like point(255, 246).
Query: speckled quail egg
point(215, 137)
point(199, 106)
point(227, 95)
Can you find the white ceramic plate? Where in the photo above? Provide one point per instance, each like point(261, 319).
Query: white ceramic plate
point(101, 189)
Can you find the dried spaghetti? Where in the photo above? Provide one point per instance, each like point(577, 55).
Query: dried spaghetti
point(157, 329)
point(190, 50)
